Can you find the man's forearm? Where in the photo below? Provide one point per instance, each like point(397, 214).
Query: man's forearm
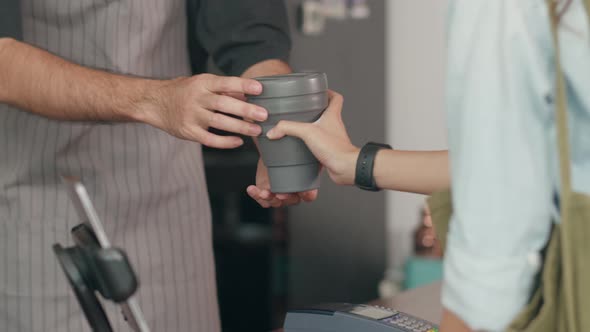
point(267, 68)
point(421, 172)
point(39, 82)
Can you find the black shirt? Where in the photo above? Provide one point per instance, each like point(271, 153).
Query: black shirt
point(235, 33)
point(10, 19)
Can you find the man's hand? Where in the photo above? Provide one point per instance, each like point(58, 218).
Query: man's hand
point(261, 192)
point(188, 107)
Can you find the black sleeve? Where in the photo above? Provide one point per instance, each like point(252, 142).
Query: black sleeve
point(241, 33)
point(10, 19)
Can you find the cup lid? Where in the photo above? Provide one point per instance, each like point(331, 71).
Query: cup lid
point(295, 84)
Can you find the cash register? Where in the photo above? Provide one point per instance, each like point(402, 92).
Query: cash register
point(346, 317)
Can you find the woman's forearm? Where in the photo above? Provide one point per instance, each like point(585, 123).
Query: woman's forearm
point(422, 172)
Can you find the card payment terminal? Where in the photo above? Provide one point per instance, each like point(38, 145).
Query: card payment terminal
point(345, 317)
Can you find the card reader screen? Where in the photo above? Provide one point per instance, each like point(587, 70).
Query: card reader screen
point(372, 312)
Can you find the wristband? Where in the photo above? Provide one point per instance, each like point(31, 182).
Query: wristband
point(365, 164)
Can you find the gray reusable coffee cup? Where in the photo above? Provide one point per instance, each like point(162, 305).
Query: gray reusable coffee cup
point(300, 97)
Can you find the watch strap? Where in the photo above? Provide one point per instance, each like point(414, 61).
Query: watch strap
point(365, 164)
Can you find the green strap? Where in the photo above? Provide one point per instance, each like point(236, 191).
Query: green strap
point(561, 112)
point(564, 165)
point(561, 105)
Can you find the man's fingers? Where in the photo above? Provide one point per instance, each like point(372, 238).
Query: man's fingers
point(220, 84)
point(264, 197)
point(232, 125)
point(289, 199)
point(289, 128)
point(219, 142)
point(284, 197)
point(270, 198)
point(309, 196)
point(229, 105)
point(239, 96)
point(254, 193)
point(295, 200)
point(264, 194)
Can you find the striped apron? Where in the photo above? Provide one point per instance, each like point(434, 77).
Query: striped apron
point(148, 187)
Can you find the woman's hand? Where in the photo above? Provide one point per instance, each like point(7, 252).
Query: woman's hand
point(327, 139)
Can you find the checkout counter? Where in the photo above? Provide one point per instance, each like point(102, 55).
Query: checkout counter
point(423, 303)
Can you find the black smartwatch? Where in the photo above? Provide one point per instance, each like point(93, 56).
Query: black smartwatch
point(364, 166)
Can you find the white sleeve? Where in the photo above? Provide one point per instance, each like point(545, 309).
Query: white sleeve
point(502, 192)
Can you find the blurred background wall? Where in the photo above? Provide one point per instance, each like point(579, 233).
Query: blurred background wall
point(416, 62)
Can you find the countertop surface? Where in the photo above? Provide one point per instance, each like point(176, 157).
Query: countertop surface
point(423, 302)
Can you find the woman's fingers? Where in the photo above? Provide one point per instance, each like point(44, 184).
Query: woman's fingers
point(336, 103)
point(303, 130)
point(289, 128)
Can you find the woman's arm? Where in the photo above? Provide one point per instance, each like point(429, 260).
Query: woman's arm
point(422, 172)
